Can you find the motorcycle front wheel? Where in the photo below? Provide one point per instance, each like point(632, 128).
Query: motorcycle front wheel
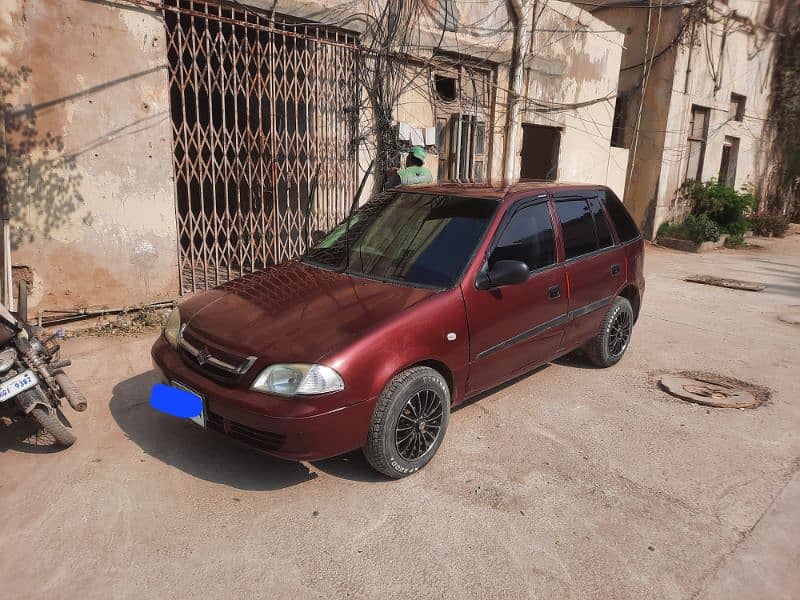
point(49, 421)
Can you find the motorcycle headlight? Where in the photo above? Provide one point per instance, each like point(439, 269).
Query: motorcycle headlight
point(298, 379)
point(172, 328)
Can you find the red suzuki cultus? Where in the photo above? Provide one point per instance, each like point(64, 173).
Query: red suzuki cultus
point(420, 300)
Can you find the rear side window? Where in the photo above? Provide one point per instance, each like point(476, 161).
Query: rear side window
point(528, 237)
point(603, 231)
point(577, 226)
point(623, 223)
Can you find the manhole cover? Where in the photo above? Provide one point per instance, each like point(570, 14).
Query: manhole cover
point(734, 284)
point(708, 392)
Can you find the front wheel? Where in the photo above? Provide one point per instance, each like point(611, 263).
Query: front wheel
point(611, 341)
point(49, 421)
point(409, 422)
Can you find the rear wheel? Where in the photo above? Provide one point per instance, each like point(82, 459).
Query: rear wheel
point(409, 422)
point(611, 342)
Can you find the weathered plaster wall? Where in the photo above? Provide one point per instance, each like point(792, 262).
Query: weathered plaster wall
point(649, 117)
point(93, 213)
point(657, 162)
point(572, 84)
point(745, 69)
point(93, 192)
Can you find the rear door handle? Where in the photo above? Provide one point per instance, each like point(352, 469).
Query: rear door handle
point(554, 291)
point(615, 269)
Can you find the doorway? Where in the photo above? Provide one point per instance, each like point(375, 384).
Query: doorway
point(539, 156)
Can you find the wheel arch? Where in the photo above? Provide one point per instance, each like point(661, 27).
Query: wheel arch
point(631, 293)
point(440, 368)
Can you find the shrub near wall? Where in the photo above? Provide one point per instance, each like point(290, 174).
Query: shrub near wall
point(767, 224)
point(722, 204)
point(716, 210)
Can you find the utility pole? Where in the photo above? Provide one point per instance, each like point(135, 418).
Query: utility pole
point(7, 284)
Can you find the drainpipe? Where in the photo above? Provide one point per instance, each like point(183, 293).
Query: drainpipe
point(521, 11)
point(5, 230)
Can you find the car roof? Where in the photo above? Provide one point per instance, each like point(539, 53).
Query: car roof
point(482, 190)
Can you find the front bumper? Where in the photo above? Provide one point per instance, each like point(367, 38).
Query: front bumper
point(292, 428)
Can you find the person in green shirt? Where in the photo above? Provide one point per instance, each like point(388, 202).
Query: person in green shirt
point(415, 173)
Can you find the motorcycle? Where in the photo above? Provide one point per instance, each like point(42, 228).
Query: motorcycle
point(32, 379)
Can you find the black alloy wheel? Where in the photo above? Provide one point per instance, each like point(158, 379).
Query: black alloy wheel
point(620, 333)
point(409, 422)
point(609, 344)
point(418, 424)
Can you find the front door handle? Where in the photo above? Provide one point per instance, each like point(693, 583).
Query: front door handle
point(554, 291)
point(615, 269)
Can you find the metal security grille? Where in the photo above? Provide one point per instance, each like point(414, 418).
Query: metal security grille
point(263, 112)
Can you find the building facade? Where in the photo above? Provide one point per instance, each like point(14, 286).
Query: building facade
point(157, 149)
point(693, 100)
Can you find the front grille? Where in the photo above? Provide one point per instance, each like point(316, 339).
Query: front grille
point(260, 440)
point(216, 362)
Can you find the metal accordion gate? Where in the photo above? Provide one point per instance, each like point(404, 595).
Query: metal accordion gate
point(263, 115)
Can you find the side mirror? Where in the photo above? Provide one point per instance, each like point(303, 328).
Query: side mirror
point(504, 272)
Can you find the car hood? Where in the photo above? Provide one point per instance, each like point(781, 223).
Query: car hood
point(294, 312)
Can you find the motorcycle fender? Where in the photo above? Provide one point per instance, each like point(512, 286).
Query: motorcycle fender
point(30, 399)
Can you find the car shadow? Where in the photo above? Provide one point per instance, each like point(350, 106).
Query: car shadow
point(576, 359)
point(352, 466)
point(203, 454)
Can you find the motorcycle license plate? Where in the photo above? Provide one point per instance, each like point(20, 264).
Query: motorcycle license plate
point(24, 381)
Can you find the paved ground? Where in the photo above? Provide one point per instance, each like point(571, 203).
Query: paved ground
point(570, 483)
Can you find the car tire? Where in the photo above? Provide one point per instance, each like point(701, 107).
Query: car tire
point(612, 340)
point(415, 403)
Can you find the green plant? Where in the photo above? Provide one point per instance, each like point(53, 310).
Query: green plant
point(701, 228)
point(723, 204)
point(767, 224)
point(697, 228)
point(738, 228)
point(735, 240)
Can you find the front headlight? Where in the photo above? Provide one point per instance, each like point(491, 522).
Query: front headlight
point(298, 379)
point(172, 328)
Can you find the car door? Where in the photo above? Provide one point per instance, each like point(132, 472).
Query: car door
point(516, 327)
point(593, 261)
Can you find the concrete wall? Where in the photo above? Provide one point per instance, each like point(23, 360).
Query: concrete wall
point(681, 76)
point(745, 69)
point(92, 190)
point(89, 135)
point(572, 84)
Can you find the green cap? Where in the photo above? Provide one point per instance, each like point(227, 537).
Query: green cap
point(417, 152)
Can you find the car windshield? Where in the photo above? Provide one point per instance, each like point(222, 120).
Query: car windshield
point(408, 237)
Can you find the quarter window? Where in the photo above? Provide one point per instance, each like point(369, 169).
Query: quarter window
point(623, 223)
point(577, 227)
point(528, 237)
point(603, 231)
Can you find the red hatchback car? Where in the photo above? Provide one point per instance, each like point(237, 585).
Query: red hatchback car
point(420, 300)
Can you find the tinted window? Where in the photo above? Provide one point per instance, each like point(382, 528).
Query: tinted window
point(623, 223)
point(528, 237)
point(421, 239)
point(603, 231)
point(577, 227)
